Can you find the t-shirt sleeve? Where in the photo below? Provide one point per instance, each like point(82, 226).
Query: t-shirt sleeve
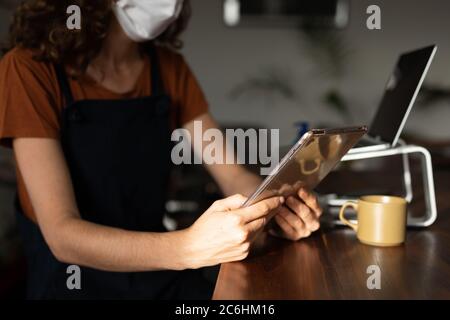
point(28, 96)
point(187, 94)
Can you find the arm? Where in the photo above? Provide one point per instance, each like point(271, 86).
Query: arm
point(73, 240)
point(231, 178)
point(221, 234)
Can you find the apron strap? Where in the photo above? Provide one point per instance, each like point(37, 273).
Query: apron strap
point(64, 84)
point(157, 84)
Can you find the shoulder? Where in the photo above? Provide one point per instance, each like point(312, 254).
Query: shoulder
point(28, 106)
point(20, 57)
point(19, 64)
point(20, 61)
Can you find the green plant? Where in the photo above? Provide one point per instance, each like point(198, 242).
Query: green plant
point(269, 81)
point(327, 48)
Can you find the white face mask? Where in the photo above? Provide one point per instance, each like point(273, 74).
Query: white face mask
point(144, 20)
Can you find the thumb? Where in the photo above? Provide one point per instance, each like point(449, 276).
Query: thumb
point(261, 209)
point(230, 203)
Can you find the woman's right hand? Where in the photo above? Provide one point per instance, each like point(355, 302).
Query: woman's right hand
point(225, 231)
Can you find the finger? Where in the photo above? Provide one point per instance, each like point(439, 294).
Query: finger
point(285, 190)
point(285, 227)
point(300, 230)
point(256, 225)
point(293, 219)
point(230, 203)
point(310, 200)
point(304, 212)
point(260, 209)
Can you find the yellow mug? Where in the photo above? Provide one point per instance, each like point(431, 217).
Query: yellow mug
point(381, 220)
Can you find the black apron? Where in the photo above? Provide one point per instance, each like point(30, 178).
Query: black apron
point(118, 153)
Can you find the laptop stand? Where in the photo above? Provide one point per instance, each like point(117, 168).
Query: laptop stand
point(427, 179)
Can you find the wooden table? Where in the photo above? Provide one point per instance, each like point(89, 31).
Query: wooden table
point(332, 264)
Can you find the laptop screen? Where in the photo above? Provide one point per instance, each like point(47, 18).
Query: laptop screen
point(400, 94)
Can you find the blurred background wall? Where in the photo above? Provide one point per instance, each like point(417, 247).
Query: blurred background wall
point(224, 58)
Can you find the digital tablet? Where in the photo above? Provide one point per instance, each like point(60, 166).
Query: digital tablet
point(308, 162)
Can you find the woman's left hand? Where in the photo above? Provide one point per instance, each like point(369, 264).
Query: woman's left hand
point(299, 216)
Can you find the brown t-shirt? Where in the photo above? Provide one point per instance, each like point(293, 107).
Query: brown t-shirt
point(31, 101)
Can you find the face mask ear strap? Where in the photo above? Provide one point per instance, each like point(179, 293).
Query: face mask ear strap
point(179, 8)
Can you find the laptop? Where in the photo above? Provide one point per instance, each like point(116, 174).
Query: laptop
point(399, 97)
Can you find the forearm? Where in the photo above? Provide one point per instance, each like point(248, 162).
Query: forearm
point(111, 249)
point(231, 178)
point(235, 179)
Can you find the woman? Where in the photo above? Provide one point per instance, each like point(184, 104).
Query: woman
point(89, 114)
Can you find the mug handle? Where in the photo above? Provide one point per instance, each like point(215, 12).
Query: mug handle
point(354, 205)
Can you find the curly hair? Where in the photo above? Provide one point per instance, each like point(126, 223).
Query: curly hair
point(40, 25)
